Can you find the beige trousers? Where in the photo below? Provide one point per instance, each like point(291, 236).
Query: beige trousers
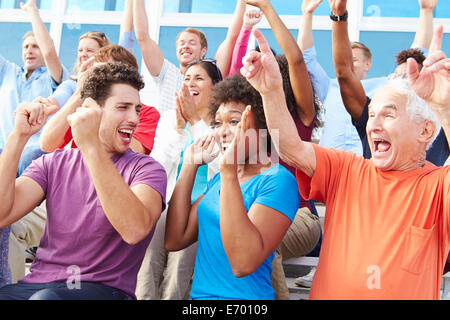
point(25, 233)
point(165, 275)
point(300, 239)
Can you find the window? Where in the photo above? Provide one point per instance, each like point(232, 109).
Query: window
point(95, 5)
point(283, 7)
point(402, 8)
point(15, 4)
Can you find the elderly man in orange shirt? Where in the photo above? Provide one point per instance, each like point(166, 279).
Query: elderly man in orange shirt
point(387, 221)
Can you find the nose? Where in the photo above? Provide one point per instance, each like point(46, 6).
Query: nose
point(374, 124)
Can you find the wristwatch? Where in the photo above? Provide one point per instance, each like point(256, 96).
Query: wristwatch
point(339, 18)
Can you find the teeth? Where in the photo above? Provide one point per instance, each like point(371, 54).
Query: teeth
point(126, 131)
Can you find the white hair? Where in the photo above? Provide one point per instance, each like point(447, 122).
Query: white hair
point(417, 108)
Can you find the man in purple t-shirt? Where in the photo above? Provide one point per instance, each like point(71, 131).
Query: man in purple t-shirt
point(103, 200)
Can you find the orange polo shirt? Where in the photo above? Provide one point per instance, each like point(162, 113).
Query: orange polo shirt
point(386, 234)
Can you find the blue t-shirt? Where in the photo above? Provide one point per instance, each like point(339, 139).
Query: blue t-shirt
point(213, 278)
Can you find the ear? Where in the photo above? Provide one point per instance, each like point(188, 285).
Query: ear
point(368, 64)
point(203, 52)
point(428, 130)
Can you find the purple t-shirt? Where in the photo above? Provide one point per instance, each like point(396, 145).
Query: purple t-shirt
point(78, 235)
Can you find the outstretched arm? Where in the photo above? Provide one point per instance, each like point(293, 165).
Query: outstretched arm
point(151, 53)
point(44, 41)
point(424, 31)
point(262, 71)
point(225, 51)
point(298, 74)
point(352, 91)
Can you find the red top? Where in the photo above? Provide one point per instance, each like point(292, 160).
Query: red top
point(145, 131)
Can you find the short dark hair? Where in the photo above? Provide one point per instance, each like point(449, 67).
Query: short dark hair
point(414, 53)
point(100, 79)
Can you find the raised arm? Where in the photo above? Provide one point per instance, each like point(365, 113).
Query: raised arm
point(225, 51)
point(248, 238)
point(151, 53)
point(305, 41)
point(298, 74)
point(182, 222)
point(126, 27)
point(432, 83)
point(52, 136)
point(424, 31)
point(305, 37)
point(44, 41)
point(251, 18)
point(20, 196)
point(132, 211)
point(262, 71)
point(352, 91)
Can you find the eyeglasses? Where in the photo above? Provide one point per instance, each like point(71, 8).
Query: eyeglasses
point(214, 62)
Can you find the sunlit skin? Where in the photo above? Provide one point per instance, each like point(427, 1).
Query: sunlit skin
point(189, 48)
point(199, 84)
point(31, 55)
point(361, 64)
point(86, 49)
point(396, 141)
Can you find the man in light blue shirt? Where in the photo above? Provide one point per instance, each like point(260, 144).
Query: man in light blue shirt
point(18, 85)
point(24, 84)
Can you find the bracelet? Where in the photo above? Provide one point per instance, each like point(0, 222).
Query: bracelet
point(339, 18)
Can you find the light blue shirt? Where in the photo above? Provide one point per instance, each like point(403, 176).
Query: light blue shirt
point(15, 88)
point(338, 131)
point(67, 88)
point(213, 278)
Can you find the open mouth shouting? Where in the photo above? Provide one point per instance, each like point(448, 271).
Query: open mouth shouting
point(126, 135)
point(381, 146)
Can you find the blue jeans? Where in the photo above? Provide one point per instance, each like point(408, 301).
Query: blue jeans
point(316, 251)
point(29, 153)
point(60, 291)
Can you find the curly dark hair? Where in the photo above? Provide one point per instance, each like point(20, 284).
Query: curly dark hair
point(100, 79)
point(414, 53)
point(289, 93)
point(237, 89)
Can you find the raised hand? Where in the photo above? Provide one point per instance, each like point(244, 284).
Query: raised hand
point(30, 117)
point(201, 151)
point(30, 5)
point(432, 83)
point(181, 122)
point(261, 68)
point(338, 7)
point(187, 104)
point(251, 18)
point(258, 3)
point(309, 6)
point(85, 123)
point(235, 153)
point(427, 4)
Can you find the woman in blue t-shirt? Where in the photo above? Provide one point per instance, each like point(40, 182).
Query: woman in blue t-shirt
point(245, 210)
